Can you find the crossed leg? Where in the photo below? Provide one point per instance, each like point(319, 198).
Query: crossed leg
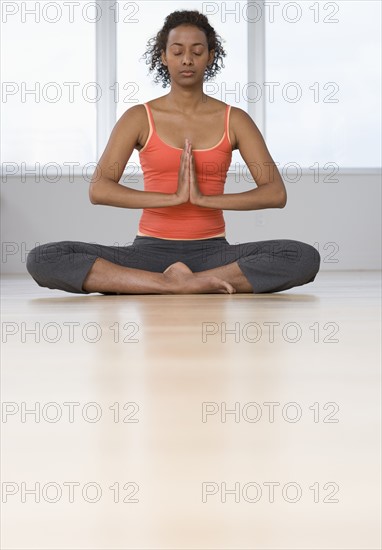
point(105, 276)
point(270, 266)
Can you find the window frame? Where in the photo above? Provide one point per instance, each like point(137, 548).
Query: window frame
point(106, 77)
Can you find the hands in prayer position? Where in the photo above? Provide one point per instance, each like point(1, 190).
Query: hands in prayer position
point(188, 188)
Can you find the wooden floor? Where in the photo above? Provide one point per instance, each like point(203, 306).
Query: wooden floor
point(192, 422)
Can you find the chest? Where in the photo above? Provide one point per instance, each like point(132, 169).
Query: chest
point(204, 131)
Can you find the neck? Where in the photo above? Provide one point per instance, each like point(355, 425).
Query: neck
point(186, 101)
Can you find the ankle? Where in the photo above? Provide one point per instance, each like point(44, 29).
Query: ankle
point(169, 285)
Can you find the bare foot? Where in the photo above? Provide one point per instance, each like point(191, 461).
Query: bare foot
point(184, 281)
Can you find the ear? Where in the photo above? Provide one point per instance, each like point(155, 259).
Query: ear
point(163, 58)
point(211, 56)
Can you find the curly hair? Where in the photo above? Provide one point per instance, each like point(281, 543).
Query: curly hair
point(157, 44)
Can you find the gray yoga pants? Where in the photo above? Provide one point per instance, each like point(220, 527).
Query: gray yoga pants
point(269, 266)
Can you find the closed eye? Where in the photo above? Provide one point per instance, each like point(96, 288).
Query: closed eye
point(176, 54)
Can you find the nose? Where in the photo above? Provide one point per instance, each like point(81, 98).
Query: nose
point(187, 59)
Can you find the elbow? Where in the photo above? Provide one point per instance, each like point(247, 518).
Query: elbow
point(99, 191)
point(281, 197)
point(94, 199)
point(277, 197)
point(282, 200)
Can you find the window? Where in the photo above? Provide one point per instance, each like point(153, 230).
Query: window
point(70, 70)
point(323, 63)
point(49, 92)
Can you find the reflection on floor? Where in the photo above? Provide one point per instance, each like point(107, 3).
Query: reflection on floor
point(192, 422)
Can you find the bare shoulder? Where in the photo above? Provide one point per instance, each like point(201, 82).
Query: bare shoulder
point(133, 116)
point(133, 123)
point(124, 138)
point(243, 126)
point(135, 111)
point(240, 114)
point(240, 120)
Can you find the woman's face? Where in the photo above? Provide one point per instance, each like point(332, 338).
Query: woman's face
point(187, 55)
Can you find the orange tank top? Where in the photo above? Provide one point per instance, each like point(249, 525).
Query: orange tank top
point(160, 165)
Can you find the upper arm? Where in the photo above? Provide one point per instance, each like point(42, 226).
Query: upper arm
point(253, 149)
point(124, 137)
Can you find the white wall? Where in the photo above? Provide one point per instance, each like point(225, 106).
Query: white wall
point(347, 213)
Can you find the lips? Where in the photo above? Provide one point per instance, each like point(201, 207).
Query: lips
point(187, 73)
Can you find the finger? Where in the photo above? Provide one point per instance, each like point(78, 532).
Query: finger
point(184, 165)
point(184, 157)
point(192, 165)
point(188, 157)
point(183, 161)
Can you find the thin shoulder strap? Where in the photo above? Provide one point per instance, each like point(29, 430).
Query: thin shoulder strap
point(227, 113)
point(151, 127)
point(150, 117)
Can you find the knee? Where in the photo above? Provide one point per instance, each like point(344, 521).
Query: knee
point(309, 261)
point(42, 258)
point(33, 260)
point(313, 260)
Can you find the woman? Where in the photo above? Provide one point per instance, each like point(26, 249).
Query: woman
point(185, 141)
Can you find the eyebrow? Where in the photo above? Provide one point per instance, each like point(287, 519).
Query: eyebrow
point(179, 44)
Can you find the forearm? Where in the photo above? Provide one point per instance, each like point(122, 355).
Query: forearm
point(264, 196)
point(110, 193)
